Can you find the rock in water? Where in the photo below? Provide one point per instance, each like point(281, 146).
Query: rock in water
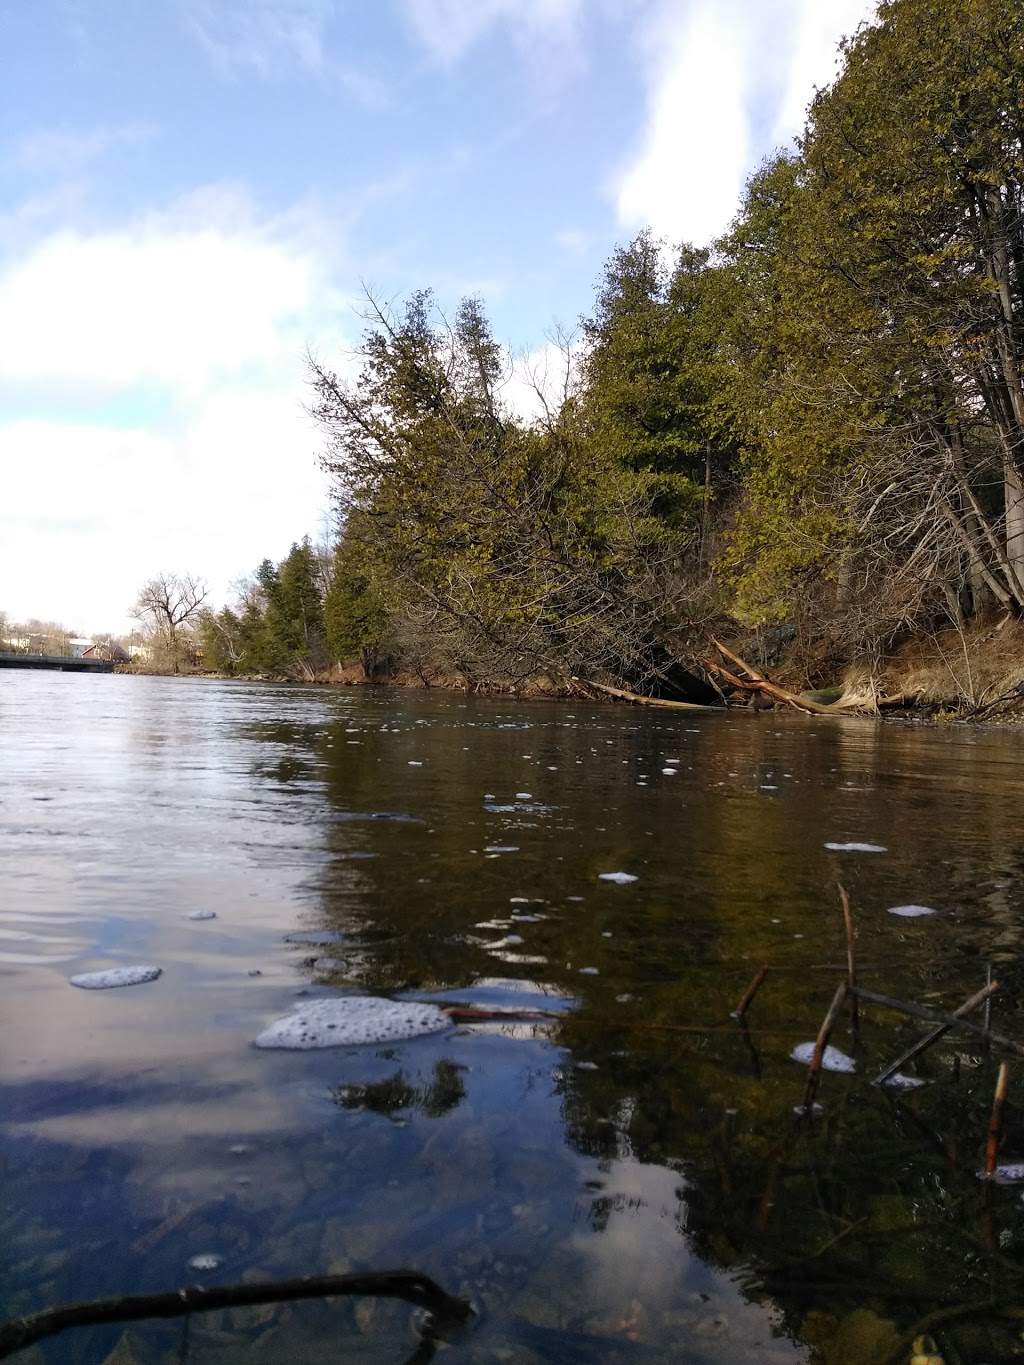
point(115, 976)
point(832, 1059)
point(347, 1021)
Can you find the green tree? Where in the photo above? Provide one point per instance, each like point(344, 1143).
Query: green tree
point(294, 617)
point(515, 548)
point(887, 324)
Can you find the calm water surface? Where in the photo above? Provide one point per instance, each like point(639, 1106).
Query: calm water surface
point(625, 1182)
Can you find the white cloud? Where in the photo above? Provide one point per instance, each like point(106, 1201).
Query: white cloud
point(170, 301)
point(449, 28)
point(265, 36)
point(713, 66)
point(90, 512)
point(46, 151)
point(196, 320)
point(686, 181)
point(814, 57)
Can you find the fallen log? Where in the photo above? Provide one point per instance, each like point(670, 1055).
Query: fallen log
point(638, 700)
point(759, 683)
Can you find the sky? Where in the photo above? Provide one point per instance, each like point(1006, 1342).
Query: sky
point(195, 194)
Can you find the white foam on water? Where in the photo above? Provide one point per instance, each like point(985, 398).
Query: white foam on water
point(1007, 1175)
point(911, 911)
point(619, 878)
point(115, 976)
point(589, 971)
point(502, 848)
point(669, 772)
point(352, 1020)
point(206, 1261)
point(524, 796)
point(201, 914)
point(832, 1059)
point(857, 848)
point(901, 1082)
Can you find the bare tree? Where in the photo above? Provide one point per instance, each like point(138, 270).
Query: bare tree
point(167, 603)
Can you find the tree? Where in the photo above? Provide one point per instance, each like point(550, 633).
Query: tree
point(169, 603)
point(294, 614)
point(886, 319)
point(517, 548)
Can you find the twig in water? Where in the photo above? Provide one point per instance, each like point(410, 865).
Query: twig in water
point(934, 1016)
point(996, 1124)
point(827, 1025)
point(924, 1043)
point(446, 1310)
point(749, 993)
point(851, 963)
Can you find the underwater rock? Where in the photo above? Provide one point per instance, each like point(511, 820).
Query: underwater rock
point(347, 1021)
point(832, 1059)
point(115, 976)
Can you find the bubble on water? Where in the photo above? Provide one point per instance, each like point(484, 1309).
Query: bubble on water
point(589, 971)
point(524, 796)
point(669, 772)
point(619, 878)
point(502, 848)
point(115, 976)
point(857, 848)
point(352, 1020)
point(832, 1059)
point(910, 911)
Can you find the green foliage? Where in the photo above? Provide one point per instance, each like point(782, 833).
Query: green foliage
point(879, 330)
point(294, 615)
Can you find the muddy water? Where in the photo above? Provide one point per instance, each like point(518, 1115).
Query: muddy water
point(623, 1181)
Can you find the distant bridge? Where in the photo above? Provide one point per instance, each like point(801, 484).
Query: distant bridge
point(61, 662)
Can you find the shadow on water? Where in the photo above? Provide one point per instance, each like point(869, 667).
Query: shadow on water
point(608, 1165)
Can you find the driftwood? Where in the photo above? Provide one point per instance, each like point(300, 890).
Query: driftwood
point(445, 1310)
point(757, 682)
point(638, 700)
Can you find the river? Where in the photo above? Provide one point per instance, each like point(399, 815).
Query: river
point(621, 1177)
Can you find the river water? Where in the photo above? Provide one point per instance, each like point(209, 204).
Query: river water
point(625, 1180)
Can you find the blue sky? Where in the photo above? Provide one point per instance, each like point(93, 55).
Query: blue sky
point(194, 191)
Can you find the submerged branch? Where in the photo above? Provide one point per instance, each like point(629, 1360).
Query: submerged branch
point(446, 1311)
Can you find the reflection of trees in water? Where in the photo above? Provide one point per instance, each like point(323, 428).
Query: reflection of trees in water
point(395, 1094)
point(858, 1226)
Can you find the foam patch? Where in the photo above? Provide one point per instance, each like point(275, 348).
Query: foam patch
point(349, 1021)
point(115, 976)
point(832, 1059)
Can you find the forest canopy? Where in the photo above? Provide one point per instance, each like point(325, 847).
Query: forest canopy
point(815, 425)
